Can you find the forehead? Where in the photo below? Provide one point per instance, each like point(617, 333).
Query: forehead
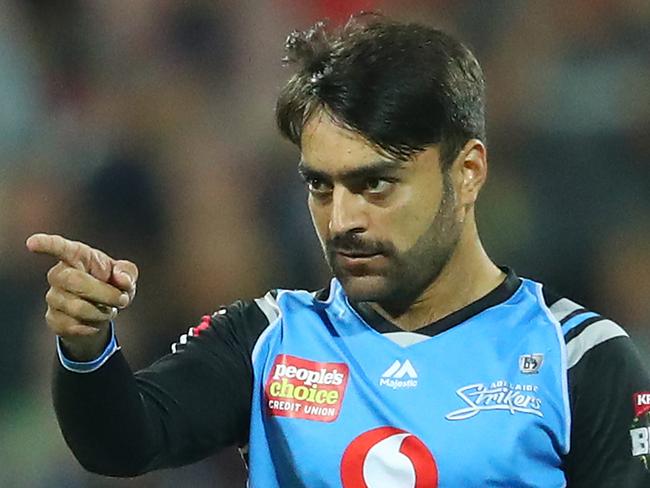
point(327, 146)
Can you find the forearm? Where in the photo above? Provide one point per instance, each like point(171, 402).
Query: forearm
point(104, 419)
point(180, 409)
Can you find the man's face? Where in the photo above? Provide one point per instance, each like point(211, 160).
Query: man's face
point(387, 227)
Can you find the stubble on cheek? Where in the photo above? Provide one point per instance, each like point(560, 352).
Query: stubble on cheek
point(408, 273)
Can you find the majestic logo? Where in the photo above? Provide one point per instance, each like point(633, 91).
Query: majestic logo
point(305, 389)
point(388, 457)
point(640, 431)
point(530, 363)
point(399, 375)
point(500, 395)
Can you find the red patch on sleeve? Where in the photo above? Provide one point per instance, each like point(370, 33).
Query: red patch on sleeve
point(205, 323)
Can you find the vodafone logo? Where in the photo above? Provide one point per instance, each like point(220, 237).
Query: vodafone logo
point(388, 457)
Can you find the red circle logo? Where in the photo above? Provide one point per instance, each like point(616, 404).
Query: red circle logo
point(388, 457)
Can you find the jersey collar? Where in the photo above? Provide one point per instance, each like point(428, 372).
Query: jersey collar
point(498, 295)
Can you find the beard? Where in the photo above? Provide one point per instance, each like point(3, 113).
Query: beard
point(405, 274)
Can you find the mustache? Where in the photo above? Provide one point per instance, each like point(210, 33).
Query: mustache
point(353, 243)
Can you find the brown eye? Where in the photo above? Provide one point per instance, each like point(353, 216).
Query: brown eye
point(319, 187)
point(377, 185)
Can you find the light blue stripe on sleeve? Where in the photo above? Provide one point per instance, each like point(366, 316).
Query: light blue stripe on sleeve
point(576, 321)
point(88, 366)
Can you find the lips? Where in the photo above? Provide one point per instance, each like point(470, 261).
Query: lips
point(359, 263)
point(353, 257)
point(356, 254)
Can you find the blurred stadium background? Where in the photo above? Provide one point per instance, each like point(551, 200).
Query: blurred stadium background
point(145, 127)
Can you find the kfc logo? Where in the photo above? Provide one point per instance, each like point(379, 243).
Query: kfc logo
point(640, 431)
point(641, 403)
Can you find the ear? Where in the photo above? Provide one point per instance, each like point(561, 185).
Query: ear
point(471, 169)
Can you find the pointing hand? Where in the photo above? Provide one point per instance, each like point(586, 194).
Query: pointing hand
point(87, 287)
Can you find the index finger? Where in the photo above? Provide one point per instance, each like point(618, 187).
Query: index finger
point(56, 246)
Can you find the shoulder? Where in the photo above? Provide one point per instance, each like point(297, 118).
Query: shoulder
point(604, 368)
point(238, 324)
point(585, 331)
point(608, 383)
point(244, 322)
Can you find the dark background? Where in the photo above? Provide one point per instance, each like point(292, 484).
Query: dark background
point(145, 127)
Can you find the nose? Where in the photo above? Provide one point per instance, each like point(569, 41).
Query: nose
point(347, 213)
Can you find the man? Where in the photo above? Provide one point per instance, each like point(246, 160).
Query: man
point(423, 364)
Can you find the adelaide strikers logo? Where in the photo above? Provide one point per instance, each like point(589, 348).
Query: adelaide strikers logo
point(388, 457)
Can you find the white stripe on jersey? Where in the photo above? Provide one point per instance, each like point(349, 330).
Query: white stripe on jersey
point(268, 306)
point(563, 307)
point(405, 339)
point(593, 335)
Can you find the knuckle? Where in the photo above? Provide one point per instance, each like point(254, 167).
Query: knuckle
point(55, 320)
point(130, 268)
point(76, 249)
point(64, 274)
point(76, 308)
point(75, 283)
point(51, 297)
point(55, 273)
point(59, 322)
point(100, 259)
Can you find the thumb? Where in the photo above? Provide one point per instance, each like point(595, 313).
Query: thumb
point(124, 276)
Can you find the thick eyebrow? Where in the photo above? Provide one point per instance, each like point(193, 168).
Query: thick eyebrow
point(368, 170)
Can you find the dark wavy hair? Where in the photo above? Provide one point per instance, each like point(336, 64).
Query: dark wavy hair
point(402, 86)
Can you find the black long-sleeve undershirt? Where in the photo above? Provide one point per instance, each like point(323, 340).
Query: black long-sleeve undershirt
point(182, 408)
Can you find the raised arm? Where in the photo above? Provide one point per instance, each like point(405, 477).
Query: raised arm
point(180, 409)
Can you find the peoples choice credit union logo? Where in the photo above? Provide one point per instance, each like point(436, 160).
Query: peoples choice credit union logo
point(388, 457)
point(305, 389)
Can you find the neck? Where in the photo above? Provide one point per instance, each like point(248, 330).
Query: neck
point(469, 275)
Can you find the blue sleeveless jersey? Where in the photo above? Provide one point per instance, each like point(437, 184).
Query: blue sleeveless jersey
point(330, 394)
point(337, 404)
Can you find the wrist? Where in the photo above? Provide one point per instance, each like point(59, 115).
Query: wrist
point(83, 356)
point(86, 348)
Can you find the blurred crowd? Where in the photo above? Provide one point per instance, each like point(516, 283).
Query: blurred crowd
point(146, 128)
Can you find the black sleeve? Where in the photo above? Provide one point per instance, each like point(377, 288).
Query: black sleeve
point(182, 408)
point(606, 386)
